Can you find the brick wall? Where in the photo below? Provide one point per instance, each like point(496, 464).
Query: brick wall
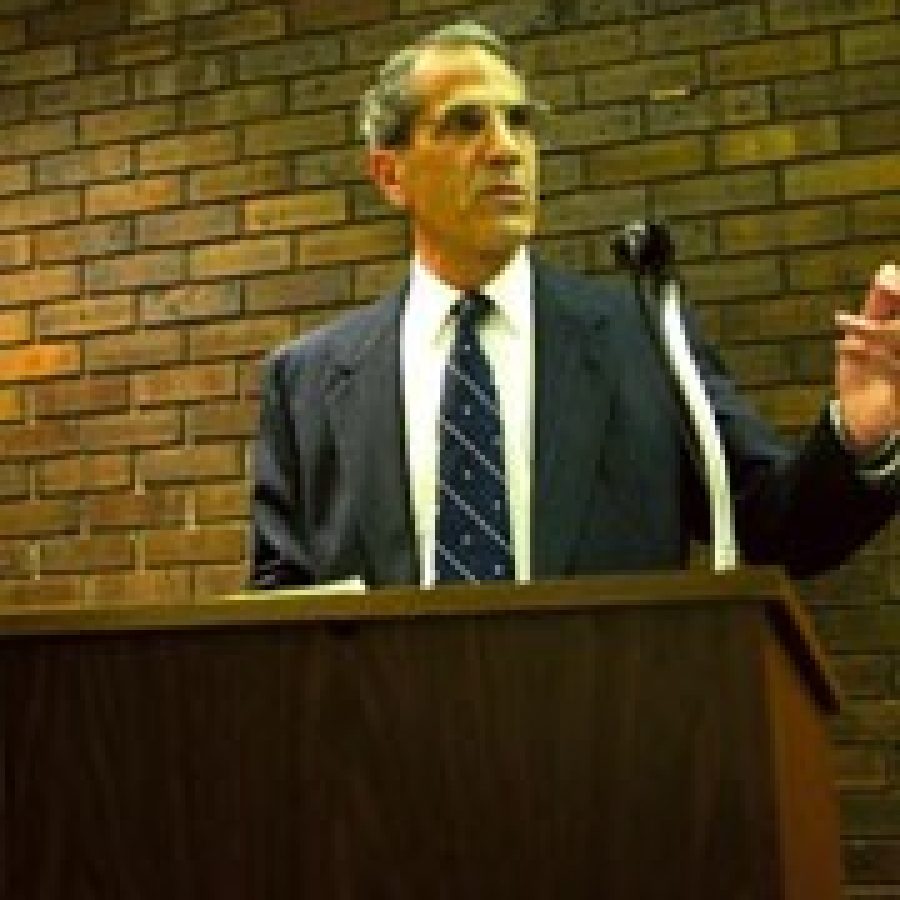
point(180, 190)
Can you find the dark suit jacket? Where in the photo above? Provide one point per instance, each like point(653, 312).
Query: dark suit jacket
point(613, 488)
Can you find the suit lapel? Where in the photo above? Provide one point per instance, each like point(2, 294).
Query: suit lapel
point(574, 389)
point(367, 414)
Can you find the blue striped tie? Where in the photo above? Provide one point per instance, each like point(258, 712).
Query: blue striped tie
point(473, 530)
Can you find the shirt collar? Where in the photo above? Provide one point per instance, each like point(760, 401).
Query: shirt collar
point(431, 300)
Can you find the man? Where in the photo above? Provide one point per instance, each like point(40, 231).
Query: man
point(365, 466)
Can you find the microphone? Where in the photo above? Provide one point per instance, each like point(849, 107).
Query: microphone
point(645, 249)
point(644, 246)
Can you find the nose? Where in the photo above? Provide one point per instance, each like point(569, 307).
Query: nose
point(503, 142)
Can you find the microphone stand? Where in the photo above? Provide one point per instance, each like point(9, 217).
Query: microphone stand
point(645, 249)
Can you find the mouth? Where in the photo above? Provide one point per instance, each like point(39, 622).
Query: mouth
point(505, 190)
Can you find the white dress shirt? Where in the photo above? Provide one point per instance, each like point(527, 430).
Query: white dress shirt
point(507, 336)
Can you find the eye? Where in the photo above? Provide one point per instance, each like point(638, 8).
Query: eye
point(465, 120)
point(521, 117)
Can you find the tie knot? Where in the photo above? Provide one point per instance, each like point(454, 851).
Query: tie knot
point(471, 309)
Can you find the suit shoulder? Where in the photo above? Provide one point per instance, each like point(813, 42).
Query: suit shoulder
point(340, 339)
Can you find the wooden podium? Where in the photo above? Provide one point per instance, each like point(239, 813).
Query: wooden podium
point(627, 738)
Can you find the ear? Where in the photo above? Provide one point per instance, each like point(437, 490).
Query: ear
point(386, 170)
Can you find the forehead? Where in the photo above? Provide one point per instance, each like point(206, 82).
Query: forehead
point(452, 74)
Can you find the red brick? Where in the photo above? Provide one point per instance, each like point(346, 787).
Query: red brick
point(37, 284)
point(28, 210)
point(147, 428)
point(38, 517)
point(218, 420)
point(752, 232)
point(15, 480)
point(240, 180)
point(182, 76)
point(250, 337)
point(15, 326)
point(212, 582)
point(867, 44)
point(106, 312)
point(333, 88)
point(645, 79)
point(36, 439)
point(87, 18)
point(647, 160)
point(145, 11)
point(16, 559)
point(212, 545)
point(291, 134)
point(83, 94)
point(76, 242)
point(12, 407)
point(592, 210)
point(841, 177)
point(133, 122)
point(720, 25)
point(15, 250)
point(191, 301)
point(152, 269)
point(85, 474)
point(15, 177)
point(351, 243)
point(81, 166)
point(153, 509)
point(86, 554)
point(285, 58)
point(292, 212)
point(203, 462)
point(15, 104)
point(844, 266)
point(38, 136)
point(131, 49)
point(48, 592)
point(184, 384)
point(870, 129)
point(13, 33)
point(38, 361)
point(772, 58)
point(68, 397)
point(200, 149)
point(189, 225)
point(374, 279)
point(136, 349)
point(228, 500)
point(240, 257)
point(257, 24)
point(299, 288)
point(873, 216)
point(328, 168)
point(40, 64)
point(235, 105)
point(773, 143)
point(136, 195)
point(159, 587)
point(312, 15)
point(712, 193)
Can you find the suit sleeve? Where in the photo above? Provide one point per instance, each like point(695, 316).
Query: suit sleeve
point(805, 508)
point(281, 557)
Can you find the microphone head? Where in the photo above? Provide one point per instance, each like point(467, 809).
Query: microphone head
point(644, 247)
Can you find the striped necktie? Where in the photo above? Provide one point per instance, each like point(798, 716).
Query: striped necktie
point(473, 525)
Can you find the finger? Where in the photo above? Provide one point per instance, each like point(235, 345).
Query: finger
point(853, 349)
point(885, 332)
point(883, 298)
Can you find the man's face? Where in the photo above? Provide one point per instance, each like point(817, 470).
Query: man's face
point(468, 175)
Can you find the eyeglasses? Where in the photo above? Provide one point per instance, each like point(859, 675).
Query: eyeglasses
point(468, 120)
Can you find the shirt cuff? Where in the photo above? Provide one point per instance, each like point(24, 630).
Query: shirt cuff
point(874, 467)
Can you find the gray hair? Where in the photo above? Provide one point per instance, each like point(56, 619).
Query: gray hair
point(388, 108)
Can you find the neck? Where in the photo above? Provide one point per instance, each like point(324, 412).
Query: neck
point(469, 274)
